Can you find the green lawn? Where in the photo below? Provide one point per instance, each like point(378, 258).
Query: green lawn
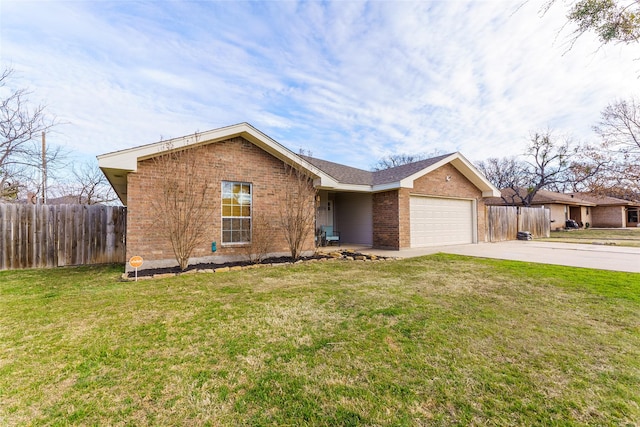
point(609, 236)
point(437, 340)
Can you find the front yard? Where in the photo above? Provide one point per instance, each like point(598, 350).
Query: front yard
point(602, 236)
point(437, 340)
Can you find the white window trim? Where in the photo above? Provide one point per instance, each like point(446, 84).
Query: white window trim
point(223, 217)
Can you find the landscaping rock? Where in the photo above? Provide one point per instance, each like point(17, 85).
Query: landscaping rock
point(337, 254)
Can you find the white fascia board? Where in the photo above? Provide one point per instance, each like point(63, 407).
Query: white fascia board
point(465, 167)
point(353, 188)
point(127, 160)
point(388, 186)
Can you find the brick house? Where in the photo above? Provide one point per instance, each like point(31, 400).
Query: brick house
point(611, 212)
point(436, 201)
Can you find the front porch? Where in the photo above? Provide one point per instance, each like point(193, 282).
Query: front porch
point(349, 215)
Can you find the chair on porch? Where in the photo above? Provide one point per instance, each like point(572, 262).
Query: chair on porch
point(329, 235)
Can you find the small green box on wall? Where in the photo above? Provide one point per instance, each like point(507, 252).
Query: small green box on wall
point(214, 247)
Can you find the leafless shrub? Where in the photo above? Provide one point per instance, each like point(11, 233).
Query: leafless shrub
point(263, 232)
point(184, 205)
point(297, 211)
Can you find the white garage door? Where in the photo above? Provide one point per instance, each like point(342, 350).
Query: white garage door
point(440, 221)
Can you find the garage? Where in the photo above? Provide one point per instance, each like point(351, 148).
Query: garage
point(441, 221)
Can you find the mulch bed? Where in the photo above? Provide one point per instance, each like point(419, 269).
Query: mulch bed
point(167, 271)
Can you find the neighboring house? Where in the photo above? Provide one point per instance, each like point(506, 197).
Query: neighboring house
point(611, 211)
point(584, 208)
point(431, 202)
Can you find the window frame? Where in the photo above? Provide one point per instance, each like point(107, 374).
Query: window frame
point(239, 208)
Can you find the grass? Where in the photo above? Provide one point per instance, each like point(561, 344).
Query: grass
point(437, 340)
point(603, 236)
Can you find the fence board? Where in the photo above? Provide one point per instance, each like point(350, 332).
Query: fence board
point(504, 222)
point(37, 236)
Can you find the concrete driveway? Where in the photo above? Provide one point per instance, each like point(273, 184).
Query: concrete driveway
point(617, 258)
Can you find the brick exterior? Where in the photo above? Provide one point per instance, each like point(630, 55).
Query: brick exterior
point(608, 216)
point(239, 160)
point(233, 160)
point(386, 228)
point(392, 224)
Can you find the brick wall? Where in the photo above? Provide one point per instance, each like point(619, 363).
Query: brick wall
point(233, 160)
point(391, 209)
point(608, 216)
point(386, 229)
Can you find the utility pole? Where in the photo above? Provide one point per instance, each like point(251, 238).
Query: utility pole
point(44, 169)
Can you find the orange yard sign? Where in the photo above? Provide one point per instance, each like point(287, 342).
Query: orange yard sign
point(135, 261)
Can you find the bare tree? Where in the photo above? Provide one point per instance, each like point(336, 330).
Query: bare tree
point(20, 128)
point(394, 160)
point(619, 130)
point(619, 127)
point(297, 211)
point(507, 173)
point(184, 204)
point(549, 163)
point(86, 186)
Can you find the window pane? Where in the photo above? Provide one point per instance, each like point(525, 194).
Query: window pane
point(227, 188)
point(236, 212)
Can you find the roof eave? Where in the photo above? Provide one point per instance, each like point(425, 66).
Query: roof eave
point(126, 161)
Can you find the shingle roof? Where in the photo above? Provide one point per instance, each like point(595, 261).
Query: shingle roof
point(349, 175)
point(341, 173)
point(605, 200)
point(403, 171)
point(547, 197)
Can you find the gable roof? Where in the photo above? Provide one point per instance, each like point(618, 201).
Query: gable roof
point(403, 175)
point(327, 175)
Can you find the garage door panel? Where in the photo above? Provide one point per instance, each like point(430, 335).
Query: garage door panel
point(440, 221)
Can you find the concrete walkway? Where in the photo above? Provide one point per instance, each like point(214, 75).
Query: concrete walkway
point(616, 258)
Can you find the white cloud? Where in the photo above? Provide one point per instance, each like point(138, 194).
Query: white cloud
point(350, 81)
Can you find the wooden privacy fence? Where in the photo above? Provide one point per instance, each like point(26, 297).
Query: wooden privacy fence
point(37, 236)
point(504, 222)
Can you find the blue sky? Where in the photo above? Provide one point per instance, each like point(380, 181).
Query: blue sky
point(348, 81)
